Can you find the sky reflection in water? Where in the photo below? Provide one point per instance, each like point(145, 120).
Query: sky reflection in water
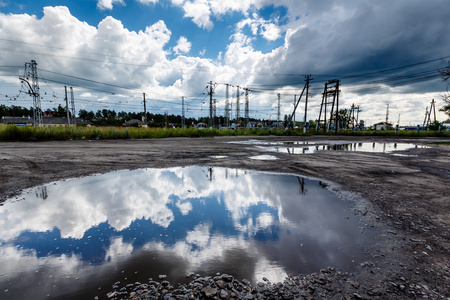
point(359, 147)
point(74, 237)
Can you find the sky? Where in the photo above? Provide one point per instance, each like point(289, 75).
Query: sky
point(385, 54)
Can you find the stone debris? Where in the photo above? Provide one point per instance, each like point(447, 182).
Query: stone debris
point(327, 284)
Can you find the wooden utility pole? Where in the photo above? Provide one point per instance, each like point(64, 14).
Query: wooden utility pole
point(145, 110)
point(308, 77)
point(211, 121)
point(67, 106)
point(182, 112)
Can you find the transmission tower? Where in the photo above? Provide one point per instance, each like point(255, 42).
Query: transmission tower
point(246, 108)
point(432, 108)
point(238, 110)
point(30, 74)
point(296, 103)
point(182, 112)
point(331, 90)
point(308, 78)
point(211, 104)
point(67, 106)
point(72, 107)
point(227, 105)
point(279, 110)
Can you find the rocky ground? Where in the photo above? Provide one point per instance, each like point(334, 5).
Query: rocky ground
point(405, 197)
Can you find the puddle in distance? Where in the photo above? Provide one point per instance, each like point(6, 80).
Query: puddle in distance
point(73, 239)
point(362, 147)
point(264, 157)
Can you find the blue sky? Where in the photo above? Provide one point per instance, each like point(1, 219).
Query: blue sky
point(172, 48)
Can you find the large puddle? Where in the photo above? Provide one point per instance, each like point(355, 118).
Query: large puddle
point(304, 147)
point(75, 238)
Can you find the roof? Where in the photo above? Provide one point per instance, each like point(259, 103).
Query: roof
point(134, 121)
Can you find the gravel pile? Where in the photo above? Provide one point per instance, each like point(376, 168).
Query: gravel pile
point(328, 284)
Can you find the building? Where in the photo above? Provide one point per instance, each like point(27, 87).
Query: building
point(382, 126)
point(135, 122)
point(47, 121)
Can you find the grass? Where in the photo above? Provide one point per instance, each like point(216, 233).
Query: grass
point(24, 133)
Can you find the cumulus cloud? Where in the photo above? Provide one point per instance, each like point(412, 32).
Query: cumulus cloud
point(318, 38)
point(108, 4)
point(183, 46)
point(266, 28)
point(148, 1)
point(199, 11)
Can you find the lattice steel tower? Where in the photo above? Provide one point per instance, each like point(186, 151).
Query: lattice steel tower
point(31, 75)
point(72, 107)
point(227, 105)
point(246, 109)
point(238, 109)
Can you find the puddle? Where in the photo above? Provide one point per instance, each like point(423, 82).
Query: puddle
point(360, 147)
point(264, 157)
point(219, 156)
point(75, 238)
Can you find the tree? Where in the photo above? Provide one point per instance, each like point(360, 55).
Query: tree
point(445, 74)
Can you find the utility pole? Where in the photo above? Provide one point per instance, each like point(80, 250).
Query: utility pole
point(72, 107)
point(246, 108)
point(182, 112)
point(308, 77)
point(427, 115)
point(67, 106)
point(238, 109)
point(215, 113)
point(227, 105)
point(145, 109)
point(211, 122)
point(387, 113)
point(33, 90)
point(293, 126)
point(432, 108)
point(279, 110)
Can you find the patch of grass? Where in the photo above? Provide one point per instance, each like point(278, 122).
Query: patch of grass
point(25, 133)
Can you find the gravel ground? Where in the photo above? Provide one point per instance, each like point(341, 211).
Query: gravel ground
point(406, 197)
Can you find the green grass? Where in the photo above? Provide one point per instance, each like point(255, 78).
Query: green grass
point(24, 133)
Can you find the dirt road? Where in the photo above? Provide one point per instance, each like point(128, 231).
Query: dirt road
point(406, 196)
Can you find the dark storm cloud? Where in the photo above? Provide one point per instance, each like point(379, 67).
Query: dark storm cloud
point(354, 37)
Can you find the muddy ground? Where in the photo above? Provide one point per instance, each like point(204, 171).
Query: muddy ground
point(406, 197)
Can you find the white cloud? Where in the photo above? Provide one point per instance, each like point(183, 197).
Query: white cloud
point(267, 29)
point(108, 4)
point(148, 1)
point(183, 46)
point(200, 12)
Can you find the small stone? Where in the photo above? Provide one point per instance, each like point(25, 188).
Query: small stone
point(209, 292)
point(162, 276)
point(224, 294)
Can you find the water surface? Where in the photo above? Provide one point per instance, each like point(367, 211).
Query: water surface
point(73, 239)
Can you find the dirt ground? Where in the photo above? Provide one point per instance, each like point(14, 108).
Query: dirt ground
point(407, 196)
